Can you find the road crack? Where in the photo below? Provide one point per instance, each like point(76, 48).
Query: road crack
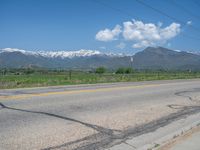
point(106, 138)
point(101, 141)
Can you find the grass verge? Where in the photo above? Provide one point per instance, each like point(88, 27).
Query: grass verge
point(76, 77)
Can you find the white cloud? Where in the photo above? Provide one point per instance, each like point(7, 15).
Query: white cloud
point(141, 34)
point(137, 30)
point(121, 45)
point(189, 22)
point(108, 35)
point(148, 34)
point(170, 31)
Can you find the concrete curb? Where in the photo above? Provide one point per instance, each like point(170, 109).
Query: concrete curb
point(154, 140)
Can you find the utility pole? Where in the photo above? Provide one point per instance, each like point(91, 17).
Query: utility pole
point(70, 74)
point(131, 62)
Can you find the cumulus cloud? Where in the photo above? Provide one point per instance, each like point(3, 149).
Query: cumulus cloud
point(137, 30)
point(170, 31)
point(108, 35)
point(141, 34)
point(148, 34)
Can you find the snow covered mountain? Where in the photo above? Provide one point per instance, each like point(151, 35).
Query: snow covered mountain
point(81, 59)
point(194, 52)
point(54, 54)
point(149, 58)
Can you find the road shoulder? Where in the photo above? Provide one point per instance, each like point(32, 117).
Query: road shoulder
point(156, 140)
point(185, 140)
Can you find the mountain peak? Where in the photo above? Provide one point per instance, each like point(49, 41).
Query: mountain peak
point(155, 48)
point(160, 50)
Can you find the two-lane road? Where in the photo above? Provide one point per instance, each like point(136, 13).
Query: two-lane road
point(92, 116)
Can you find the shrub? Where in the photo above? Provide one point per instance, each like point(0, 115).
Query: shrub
point(100, 70)
point(124, 71)
point(120, 71)
point(128, 70)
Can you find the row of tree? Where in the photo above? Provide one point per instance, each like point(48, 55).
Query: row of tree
point(27, 71)
point(121, 70)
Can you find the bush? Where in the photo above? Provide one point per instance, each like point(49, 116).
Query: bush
point(120, 71)
point(124, 71)
point(128, 70)
point(100, 70)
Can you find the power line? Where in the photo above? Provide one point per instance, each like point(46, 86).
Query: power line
point(114, 8)
point(165, 14)
point(158, 11)
point(131, 15)
point(185, 9)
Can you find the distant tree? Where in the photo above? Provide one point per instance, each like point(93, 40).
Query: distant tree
point(100, 70)
point(128, 70)
point(124, 71)
point(120, 71)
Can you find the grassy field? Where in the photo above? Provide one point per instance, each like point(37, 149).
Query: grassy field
point(13, 80)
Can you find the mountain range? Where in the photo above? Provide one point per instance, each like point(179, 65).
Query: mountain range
point(150, 58)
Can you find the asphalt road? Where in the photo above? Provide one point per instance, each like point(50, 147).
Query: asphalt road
point(92, 116)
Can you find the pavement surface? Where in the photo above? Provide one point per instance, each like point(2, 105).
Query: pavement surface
point(190, 143)
point(100, 116)
point(189, 140)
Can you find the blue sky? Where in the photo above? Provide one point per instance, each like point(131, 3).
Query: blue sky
point(74, 25)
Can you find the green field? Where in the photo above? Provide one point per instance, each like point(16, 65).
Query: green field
point(19, 79)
